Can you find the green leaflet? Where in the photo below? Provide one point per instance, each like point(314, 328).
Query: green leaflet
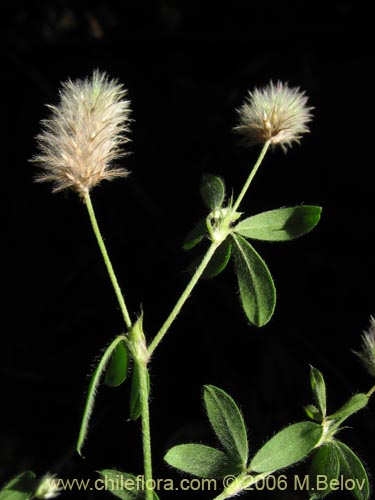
point(212, 191)
point(117, 370)
point(92, 390)
point(324, 470)
point(355, 403)
point(227, 422)
point(123, 485)
point(319, 390)
point(200, 460)
point(257, 290)
point(218, 262)
point(20, 487)
point(196, 235)
point(282, 224)
point(135, 400)
point(352, 468)
point(313, 413)
point(287, 447)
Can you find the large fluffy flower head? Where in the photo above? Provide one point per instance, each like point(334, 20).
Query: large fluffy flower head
point(276, 113)
point(83, 134)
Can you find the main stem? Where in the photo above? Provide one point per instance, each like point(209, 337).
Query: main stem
point(107, 260)
point(251, 176)
point(146, 432)
point(185, 295)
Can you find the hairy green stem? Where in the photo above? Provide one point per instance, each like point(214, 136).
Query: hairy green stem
point(240, 484)
point(200, 269)
point(107, 260)
point(222, 496)
point(371, 391)
point(146, 433)
point(185, 295)
point(251, 176)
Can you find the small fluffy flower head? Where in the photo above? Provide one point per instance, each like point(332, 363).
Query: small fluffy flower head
point(367, 353)
point(48, 487)
point(275, 113)
point(83, 134)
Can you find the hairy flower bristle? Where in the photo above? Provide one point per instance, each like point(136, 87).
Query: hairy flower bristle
point(48, 487)
point(275, 113)
point(83, 134)
point(367, 353)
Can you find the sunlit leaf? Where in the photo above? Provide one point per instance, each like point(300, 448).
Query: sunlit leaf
point(355, 403)
point(282, 224)
point(227, 422)
point(200, 460)
point(287, 447)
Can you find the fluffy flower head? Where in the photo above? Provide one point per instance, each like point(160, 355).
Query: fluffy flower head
point(367, 353)
point(275, 113)
point(48, 487)
point(83, 134)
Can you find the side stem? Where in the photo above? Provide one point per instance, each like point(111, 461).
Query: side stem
point(107, 260)
point(146, 433)
point(185, 295)
point(251, 176)
point(240, 484)
point(202, 266)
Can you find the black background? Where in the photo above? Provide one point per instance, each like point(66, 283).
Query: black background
point(187, 66)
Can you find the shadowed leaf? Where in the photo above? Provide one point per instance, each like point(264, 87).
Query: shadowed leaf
point(92, 390)
point(212, 191)
point(257, 290)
